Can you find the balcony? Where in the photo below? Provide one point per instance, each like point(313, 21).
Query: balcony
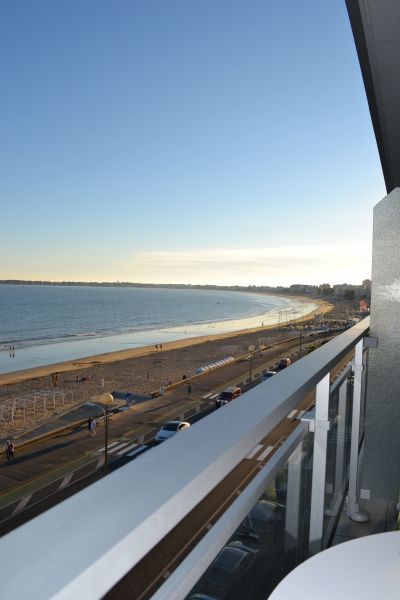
point(173, 523)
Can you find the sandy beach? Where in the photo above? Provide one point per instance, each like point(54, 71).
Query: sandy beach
point(140, 370)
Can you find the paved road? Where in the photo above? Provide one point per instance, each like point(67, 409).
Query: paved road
point(56, 466)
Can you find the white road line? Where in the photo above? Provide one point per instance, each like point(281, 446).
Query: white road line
point(100, 462)
point(291, 414)
point(117, 447)
point(65, 481)
point(213, 396)
point(301, 413)
point(137, 450)
point(207, 395)
point(125, 450)
point(254, 451)
point(21, 504)
point(109, 446)
point(264, 454)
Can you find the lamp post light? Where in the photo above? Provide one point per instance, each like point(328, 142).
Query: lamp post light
point(251, 349)
point(301, 329)
point(108, 399)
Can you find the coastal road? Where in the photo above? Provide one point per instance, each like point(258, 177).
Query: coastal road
point(55, 467)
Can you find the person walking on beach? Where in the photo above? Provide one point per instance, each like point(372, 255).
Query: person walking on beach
point(189, 390)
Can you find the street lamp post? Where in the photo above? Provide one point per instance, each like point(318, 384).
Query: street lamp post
point(108, 399)
point(251, 349)
point(301, 329)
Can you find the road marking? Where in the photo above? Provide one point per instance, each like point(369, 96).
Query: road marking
point(21, 504)
point(254, 451)
point(301, 413)
point(264, 454)
point(207, 395)
point(65, 481)
point(109, 446)
point(291, 414)
point(117, 447)
point(137, 450)
point(100, 462)
point(127, 448)
point(213, 396)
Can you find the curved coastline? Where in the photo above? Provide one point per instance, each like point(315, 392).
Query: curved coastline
point(36, 371)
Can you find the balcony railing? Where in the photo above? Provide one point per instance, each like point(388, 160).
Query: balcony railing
point(88, 544)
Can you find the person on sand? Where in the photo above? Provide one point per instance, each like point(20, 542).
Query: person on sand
point(189, 390)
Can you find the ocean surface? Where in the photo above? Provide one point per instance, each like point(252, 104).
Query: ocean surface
point(49, 324)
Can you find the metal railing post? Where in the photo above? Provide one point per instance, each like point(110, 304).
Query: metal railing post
point(292, 515)
point(321, 427)
point(353, 510)
point(338, 489)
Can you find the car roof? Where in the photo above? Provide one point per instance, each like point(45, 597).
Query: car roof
point(230, 558)
point(232, 389)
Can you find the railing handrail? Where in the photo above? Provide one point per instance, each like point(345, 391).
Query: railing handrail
point(83, 546)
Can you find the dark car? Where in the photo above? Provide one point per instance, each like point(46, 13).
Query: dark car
point(228, 570)
point(227, 396)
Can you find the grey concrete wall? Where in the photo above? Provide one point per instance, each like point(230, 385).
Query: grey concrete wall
point(380, 471)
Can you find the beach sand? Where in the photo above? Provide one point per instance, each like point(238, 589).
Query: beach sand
point(140, 370)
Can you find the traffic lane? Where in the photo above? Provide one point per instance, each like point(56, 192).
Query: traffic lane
point(127, 450)
point(122, 421)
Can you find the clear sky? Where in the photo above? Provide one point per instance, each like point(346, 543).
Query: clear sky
point(193, 141)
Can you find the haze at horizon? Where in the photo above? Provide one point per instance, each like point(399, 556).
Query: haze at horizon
point(176, 142)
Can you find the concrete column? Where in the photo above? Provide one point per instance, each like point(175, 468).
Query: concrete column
point(380, 470)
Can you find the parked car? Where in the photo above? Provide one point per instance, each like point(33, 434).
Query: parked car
point(227, 396)
point(283, 363)
point(228, 570)
point(265, 517)
point(248, 546)
point(170, 429)
point(267, 375)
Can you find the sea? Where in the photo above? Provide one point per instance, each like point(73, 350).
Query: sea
point(47, 324)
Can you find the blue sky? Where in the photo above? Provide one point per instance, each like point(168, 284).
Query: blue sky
point(212, 141)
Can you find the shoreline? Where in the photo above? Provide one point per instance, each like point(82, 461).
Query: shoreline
point(14, 377)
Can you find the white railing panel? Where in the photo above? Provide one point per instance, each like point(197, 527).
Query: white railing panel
point(83, 546)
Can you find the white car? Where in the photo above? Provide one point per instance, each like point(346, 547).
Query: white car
point(170, 429)
point(268, 375)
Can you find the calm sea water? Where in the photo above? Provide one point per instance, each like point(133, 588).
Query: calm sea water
point(48, 324)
